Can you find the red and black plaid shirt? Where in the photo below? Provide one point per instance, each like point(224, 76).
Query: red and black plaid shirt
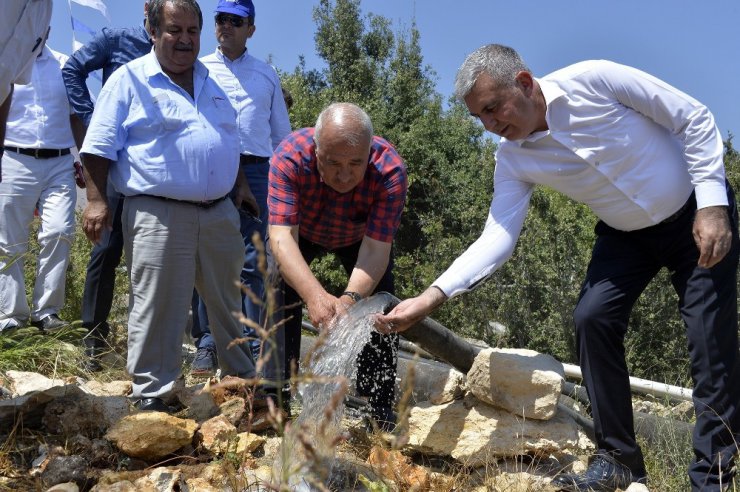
point(298, 196)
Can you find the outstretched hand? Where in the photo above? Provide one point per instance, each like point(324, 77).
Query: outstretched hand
point(410, 311)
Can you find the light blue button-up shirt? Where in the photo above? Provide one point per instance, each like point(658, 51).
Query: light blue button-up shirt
point(254, 89)
point(162, 141)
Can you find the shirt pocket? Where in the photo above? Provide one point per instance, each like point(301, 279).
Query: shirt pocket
point(165, 113)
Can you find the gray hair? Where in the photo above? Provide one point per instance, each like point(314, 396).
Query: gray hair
point(354, 121)
point(500, 62)
point(155, 11)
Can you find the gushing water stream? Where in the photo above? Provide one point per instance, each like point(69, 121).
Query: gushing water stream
point(307, 450)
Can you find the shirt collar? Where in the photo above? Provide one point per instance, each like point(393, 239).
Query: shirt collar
point(551, 93)
point(152, 68)
point(223, 58)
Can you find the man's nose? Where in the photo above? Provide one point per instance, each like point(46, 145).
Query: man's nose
point(489, 123)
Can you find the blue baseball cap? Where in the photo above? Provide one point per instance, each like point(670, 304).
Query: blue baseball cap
point(242, 8)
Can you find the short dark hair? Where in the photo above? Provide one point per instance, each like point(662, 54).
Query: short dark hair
point(155, 11)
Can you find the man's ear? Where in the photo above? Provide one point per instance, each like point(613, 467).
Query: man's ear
point(525, 81)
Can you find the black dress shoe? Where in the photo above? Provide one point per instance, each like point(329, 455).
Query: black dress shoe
point(152, 405)
point(50, 323)
point(95, 347)
point(604, 474)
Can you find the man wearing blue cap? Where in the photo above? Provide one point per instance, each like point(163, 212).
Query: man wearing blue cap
point(254, 90)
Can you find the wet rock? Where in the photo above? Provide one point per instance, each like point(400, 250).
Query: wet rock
point(521, 381)
point(474, 433)
point(151, 435)
point(62, 469)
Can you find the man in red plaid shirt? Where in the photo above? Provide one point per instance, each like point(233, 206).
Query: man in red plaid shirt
point(337, 188)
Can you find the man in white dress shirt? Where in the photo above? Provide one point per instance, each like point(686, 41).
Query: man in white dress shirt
point(254, 90)
point(23, 24)
point(39, 173)
point(647, 159)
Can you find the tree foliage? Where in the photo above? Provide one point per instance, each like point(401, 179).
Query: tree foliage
point(450, 163)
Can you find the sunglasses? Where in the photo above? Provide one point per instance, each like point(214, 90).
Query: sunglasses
point(234, 20)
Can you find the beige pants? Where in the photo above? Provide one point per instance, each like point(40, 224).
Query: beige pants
point(172, 247)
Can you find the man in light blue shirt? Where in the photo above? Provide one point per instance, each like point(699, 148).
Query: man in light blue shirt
point(254, 90)
point(165, 131)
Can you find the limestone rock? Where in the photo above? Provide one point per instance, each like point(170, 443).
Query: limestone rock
point(200, 403)
point(111, 388)
point(23, 383)
point(162, 480)
point(248, 442)
point(217, 435)
point(234, 409)
point(475, 433)
point(151, 435)
point(521, 381)
point(201, 485)
point(31, 406)
point(64, 487)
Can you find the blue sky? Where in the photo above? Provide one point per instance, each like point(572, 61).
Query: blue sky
point(694, 46)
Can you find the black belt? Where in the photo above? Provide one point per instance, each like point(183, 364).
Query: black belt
point(203, 204)
point(39, 153)
point(253, 159)
point(680, 211)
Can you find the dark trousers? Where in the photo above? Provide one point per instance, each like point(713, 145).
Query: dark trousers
point(621, 266)
point(97, 296)
point(376, 363)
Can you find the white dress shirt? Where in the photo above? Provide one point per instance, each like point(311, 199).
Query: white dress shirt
point(621, 141)
point(163, 142)
point(23, 24)
point(39, 112)
point(254, 90)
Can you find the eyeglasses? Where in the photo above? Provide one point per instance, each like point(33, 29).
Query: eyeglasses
point(234, 20)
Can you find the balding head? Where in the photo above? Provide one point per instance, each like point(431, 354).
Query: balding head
point(345, 121)
point(343, 136)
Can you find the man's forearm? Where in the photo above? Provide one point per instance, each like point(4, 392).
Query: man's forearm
point(96, 176)
point(293, 268)
point(372, 262)
point(79, 130)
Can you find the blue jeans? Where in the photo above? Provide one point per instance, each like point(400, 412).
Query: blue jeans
point(251, 277)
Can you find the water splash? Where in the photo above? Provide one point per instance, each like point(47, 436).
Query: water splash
point(329, 371)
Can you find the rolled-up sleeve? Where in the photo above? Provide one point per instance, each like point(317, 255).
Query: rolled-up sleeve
point(80, 64)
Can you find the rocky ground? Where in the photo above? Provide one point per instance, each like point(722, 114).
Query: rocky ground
point(69, 434)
